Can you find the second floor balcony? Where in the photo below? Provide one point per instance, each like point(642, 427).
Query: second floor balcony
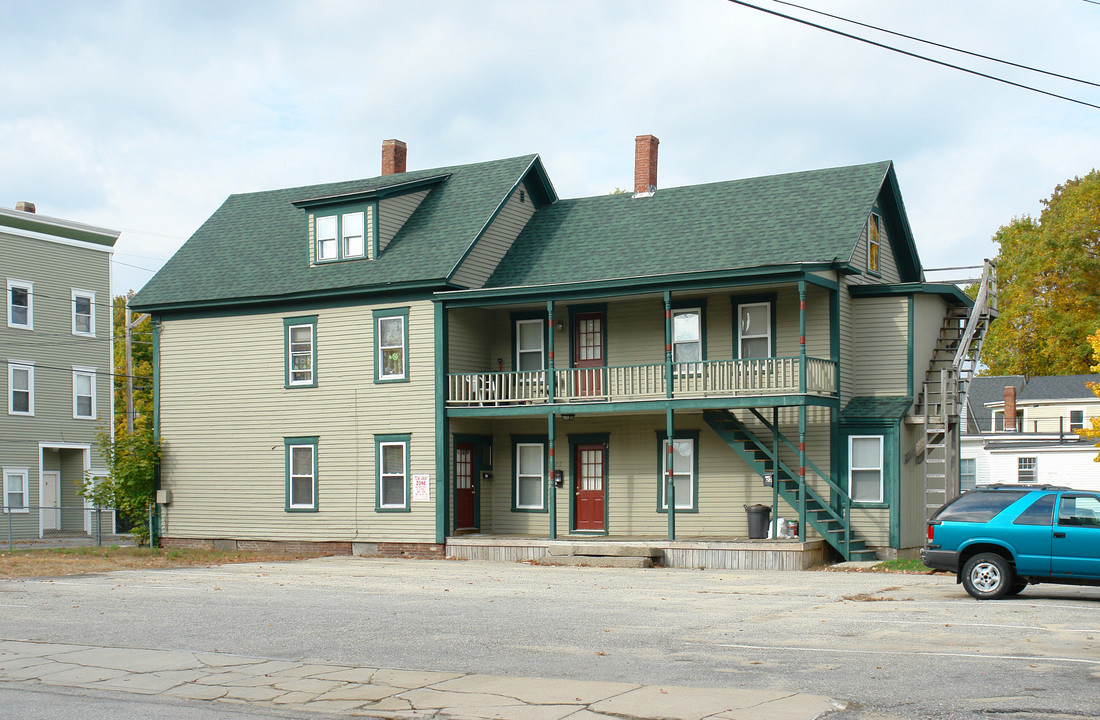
point(689, 380)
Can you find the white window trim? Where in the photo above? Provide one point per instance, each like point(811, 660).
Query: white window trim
point(690, 475)
point(1084, 418)
point(312, 478)
point(541, 477)
point(341, 238)
point(404, 475)
point(741, 336)
point(290, 354)
point(91, 374)
point(29, 287)
point(697, 341)
point(540, 324)
point(91, 310)
point(382, 374)
point(880, 467)
point(13, 365)
point(26, 473)
point(1034, 470)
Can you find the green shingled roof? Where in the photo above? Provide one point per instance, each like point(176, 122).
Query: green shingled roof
point(804, 217)
point(867, 407)
point(254, 247)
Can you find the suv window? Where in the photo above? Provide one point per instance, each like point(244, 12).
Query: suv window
point(1079, 510)
point(1041, 512)
point(979, 506)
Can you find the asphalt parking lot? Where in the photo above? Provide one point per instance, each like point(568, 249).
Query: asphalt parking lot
point(889, 646)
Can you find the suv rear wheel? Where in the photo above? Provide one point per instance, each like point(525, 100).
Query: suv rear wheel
point(988, 576)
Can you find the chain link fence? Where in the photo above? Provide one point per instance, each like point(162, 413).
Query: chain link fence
point(58, 526)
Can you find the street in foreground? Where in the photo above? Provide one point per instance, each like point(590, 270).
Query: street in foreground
point(884, 646)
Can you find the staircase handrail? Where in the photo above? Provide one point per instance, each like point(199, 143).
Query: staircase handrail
point(981, 307)
point(791, 446)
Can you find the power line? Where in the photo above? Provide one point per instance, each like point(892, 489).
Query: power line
point(940, 45)
point(69, 370)
point(913, 54)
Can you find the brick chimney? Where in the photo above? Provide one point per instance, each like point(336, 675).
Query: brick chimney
point(393, 157)
point(1010, 408)
point(645, 165)
point(24, 206)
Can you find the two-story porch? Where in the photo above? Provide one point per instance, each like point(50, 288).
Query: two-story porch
point(559, 413)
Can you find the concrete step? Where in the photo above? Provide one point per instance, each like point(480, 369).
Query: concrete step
point(596, 561)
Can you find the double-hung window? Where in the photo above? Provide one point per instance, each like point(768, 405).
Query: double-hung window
point(301, 474)
point(84, 393)
point(83, 313)
point(754, 330)
point(1076, 420)
point(20, 388)
point(968, 474)
point(1027, 469)
point(20, 304)
point(15, 489)
point(529, 492)
point(679, 455)
point(393, 472)
point(530, 345)
point(865, 460)
point(300, 343)
point(687, 335)
point(391, 332)
point(874, 233)
point(341, 235)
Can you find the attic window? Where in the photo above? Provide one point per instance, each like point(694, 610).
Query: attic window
point(874, 231)
point(342, 234)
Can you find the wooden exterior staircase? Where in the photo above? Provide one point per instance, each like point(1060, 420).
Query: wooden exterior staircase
point(954, 361)
point(831, 518)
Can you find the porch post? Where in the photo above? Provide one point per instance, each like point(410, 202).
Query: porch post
point(550, 359)
point(802, 335)
point(553, 493)
point(442, 426)
point(775, 472)
point(802, 472)
point(670, 490)
point(668, 352)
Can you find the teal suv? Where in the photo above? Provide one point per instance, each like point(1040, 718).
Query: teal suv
point(998, 539)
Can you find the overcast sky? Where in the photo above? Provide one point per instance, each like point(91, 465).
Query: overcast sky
point(144, 116)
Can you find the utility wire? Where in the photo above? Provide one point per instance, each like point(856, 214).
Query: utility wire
point(912, 54)
point(69, 370)
point(939, 45)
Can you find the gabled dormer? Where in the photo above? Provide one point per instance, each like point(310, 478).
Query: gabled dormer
point(886, 252)
point(359, 225)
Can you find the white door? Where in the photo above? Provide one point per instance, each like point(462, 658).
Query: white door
point(49, 499)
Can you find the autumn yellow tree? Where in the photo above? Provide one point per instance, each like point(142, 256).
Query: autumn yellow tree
point(1094, 431)
point(1048, 272)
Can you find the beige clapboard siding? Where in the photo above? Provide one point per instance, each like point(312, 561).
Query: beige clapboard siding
point(223, 425)
point(471, 337)
point(929, 312)
point(726, 484)
point(394, 212)
point(887, 264)
point(496, 240)
point(1052, 417)
point(881, 340)
point(911, 500)
point(635, 331)
point(55, 269)
point(872, 525)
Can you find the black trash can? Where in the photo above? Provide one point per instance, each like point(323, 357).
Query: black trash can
point(759, 517)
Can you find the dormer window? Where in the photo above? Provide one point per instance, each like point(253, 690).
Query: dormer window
point(342, 235)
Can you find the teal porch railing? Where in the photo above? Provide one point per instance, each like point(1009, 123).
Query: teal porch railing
point(711, 378)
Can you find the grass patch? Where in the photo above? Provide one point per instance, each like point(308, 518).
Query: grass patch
point(908, 566)
point(53, 562)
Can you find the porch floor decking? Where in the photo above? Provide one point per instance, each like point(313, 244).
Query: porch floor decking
point(695, 553)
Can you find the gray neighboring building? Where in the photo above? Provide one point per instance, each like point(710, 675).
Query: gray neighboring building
point(55, 342)
point(1022, 429)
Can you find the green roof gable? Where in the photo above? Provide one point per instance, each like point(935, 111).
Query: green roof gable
point(254, 248)
point(805, 217)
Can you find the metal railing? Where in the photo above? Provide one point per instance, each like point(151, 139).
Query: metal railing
point(36, 522)
point(711, 378)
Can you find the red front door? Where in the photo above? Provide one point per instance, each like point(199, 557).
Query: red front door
point(588, 353)
point(590, 492)
point(465, 507)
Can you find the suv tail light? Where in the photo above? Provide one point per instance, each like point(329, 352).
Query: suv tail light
point(931, 532)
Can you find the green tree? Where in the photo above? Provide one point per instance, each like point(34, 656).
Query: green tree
point(131, 458)
point(1094, 431)
point(1048, 273)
